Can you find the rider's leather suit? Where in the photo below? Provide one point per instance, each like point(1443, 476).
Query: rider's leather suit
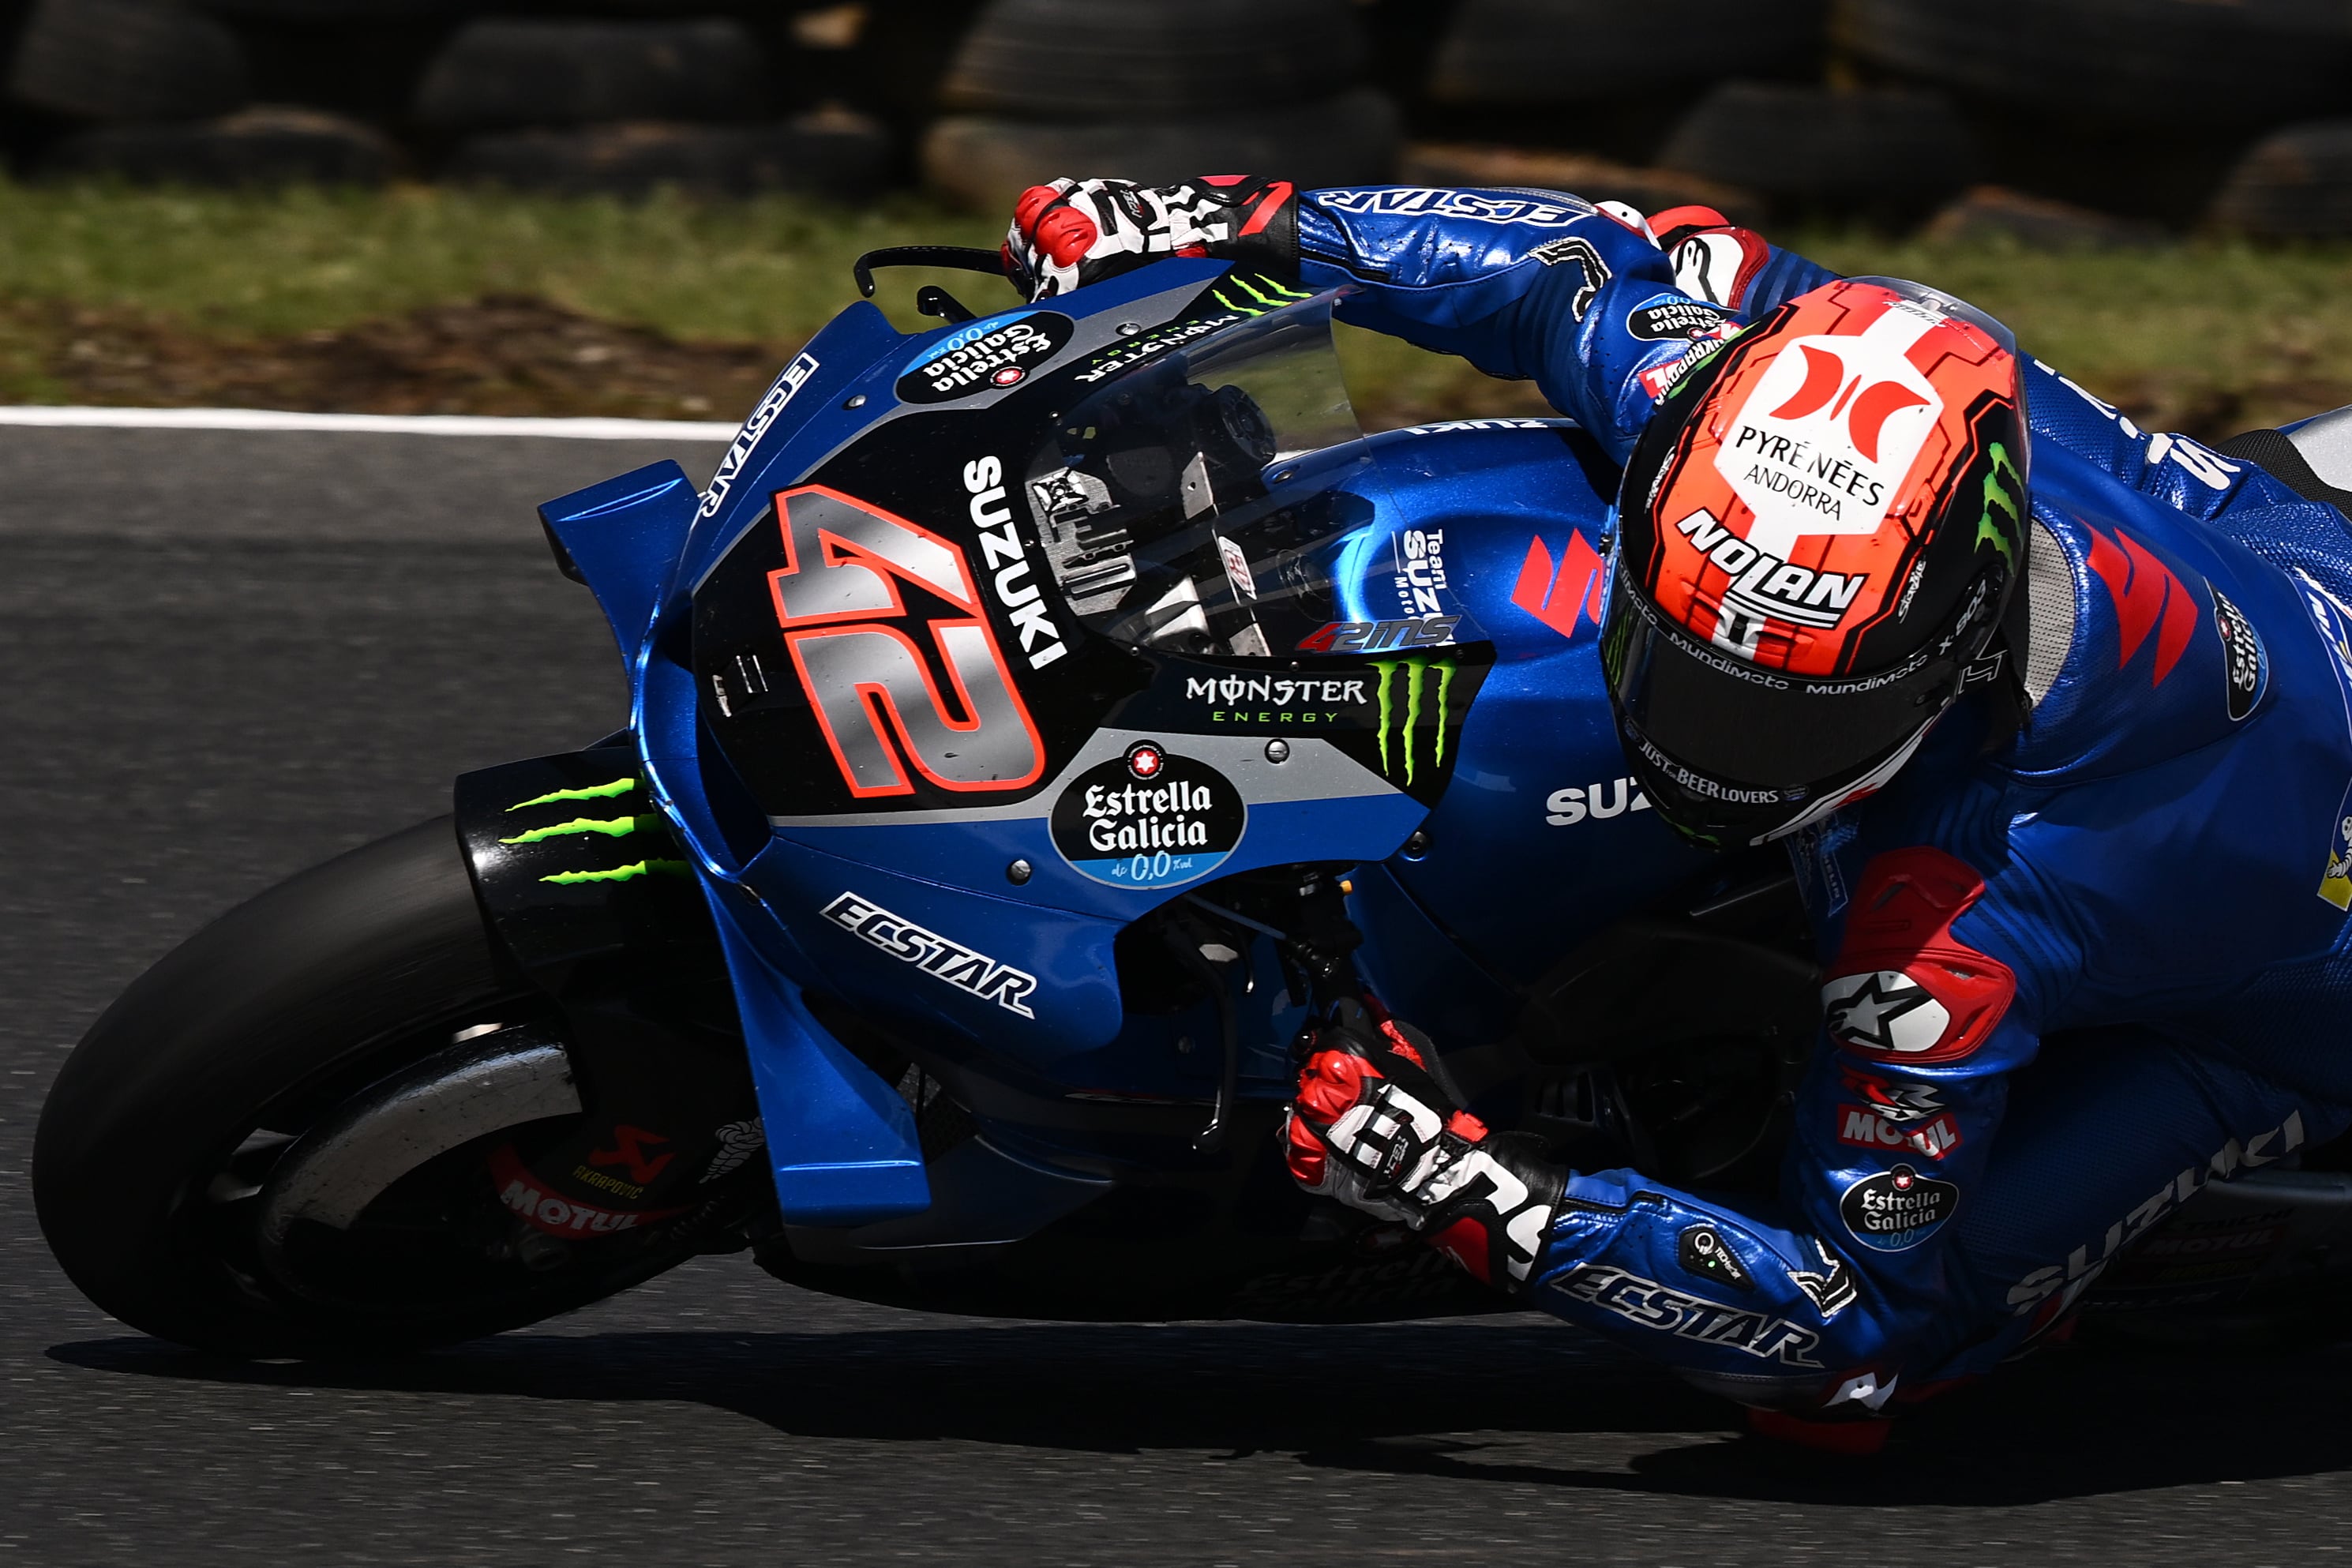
point(2071, 976)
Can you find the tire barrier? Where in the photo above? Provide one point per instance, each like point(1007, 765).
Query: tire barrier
point(1152, 60)
point(1889, 151)
point(505, 73)
point(2146, 62)
point(2229, 114)
point(984, 162)
point(126, 59)
point(261, 146)
point(1544, 53)
point(2293, 184)
point(828, 152)
point(1990, 212)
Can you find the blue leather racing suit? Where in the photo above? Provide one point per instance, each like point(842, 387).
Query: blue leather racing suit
point(2071, 974)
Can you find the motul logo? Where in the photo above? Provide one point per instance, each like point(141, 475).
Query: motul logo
point(1865, 1129)
point(2147, 597)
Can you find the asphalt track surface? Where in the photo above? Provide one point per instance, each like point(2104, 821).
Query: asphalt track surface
point(230, 656)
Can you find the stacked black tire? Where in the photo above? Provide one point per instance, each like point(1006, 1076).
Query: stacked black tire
point(636, 95)
point(156, 91)
point(2139, 106)
point(1728, 91)
point(1157, 90)
point(627, 105)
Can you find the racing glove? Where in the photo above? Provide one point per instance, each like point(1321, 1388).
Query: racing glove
point(1377, 1127)
point(1072, 233)
point(1714, 258)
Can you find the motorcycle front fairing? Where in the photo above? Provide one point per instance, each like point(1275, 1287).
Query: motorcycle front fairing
point(987, 642)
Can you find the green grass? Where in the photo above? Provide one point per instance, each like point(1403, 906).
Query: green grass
point(303, 260)
point(2198, 335)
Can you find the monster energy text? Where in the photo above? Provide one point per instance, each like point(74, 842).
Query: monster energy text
point(1277, 699)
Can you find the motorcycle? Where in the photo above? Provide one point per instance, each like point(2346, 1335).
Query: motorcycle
point(1032, 724)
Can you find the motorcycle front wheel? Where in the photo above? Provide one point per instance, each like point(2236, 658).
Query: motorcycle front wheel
point(184, 1169)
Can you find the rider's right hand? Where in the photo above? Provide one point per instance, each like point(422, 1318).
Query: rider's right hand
point(1071, 232)
point(1377, 1127)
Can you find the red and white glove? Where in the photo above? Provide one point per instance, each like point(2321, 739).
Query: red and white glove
point(1375, 1128)
point(1072, 233)
point(1714, 259)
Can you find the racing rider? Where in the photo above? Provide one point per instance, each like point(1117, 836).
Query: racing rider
point(2065, 773)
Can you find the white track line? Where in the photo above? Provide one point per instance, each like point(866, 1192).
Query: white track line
point(364, 423)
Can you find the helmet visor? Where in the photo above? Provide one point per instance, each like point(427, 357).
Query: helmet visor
point(1742, 725)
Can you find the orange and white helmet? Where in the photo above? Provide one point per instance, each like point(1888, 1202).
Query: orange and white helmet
point(1818, 536)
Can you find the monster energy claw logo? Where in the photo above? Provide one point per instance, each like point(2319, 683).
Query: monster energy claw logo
point(1281, 295)
point(2009, 498)
point(586, 792)
point(1417, 682)
point(619, 873)
point(597, 826)
point(611, 828)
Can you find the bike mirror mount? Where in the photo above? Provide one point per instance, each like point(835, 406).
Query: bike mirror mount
point(952, 258)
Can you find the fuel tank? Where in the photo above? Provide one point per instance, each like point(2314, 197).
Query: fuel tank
point(1541, 837)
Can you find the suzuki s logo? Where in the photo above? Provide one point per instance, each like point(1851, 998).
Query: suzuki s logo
point(1823, 442)
point(1558, 593)
point(840, 599)
point(2147, 598)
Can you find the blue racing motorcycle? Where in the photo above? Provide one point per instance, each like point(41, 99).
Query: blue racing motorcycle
point(1033, 721)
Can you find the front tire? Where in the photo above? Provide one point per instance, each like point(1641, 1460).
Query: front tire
point(159, 1139)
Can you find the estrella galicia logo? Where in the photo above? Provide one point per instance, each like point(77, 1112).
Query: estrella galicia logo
point(1898, 1209)
point(984, 356)
point(1147, 819)
point(2245, 666)
point(1686, 318)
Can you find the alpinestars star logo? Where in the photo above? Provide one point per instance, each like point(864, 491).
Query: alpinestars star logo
point(1884, 1010)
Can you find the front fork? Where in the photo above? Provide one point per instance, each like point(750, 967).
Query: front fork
point(1313, 937)
point(584, 885)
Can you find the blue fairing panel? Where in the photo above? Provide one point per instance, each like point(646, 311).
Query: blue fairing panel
point(622, 537)
point(1030, 984)
point(1519, 511)
point(842, 1142)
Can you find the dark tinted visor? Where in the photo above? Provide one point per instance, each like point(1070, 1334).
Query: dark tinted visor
point(1715, 713)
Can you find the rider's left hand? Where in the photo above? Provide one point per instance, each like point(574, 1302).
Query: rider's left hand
point(1071, 232)
point(1377, 1128)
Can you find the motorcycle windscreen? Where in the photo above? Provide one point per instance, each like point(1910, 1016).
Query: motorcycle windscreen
point(1212, 502)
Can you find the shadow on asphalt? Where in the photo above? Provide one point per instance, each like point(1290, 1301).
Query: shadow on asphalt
point(1393, 1399)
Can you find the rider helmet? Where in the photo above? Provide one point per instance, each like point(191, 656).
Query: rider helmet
point(1818, 537)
